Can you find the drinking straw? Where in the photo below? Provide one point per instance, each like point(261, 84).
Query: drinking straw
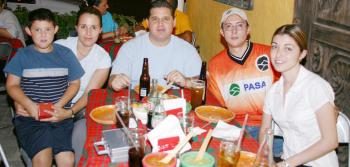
point(129, 96)
point(126, 131)
point(129, 89)
point(207, 124)
point(182, 93)
point(238, 148)
point(204, 146)
point(129, 103)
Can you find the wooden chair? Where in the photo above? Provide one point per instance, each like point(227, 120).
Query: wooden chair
point(5, 54)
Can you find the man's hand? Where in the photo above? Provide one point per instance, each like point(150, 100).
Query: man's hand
point(119, 81)
point(176, 77)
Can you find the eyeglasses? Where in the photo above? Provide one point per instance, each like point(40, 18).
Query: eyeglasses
point(166, 19)
point(238, 26)
point(91, 27)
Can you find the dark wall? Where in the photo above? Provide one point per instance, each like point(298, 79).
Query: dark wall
point(137, 8)
point(22, 1)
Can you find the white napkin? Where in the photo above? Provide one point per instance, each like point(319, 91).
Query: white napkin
point(140, 113)
point(169, 127)
point(170, 104)
point(226, 131)
point(132, 123)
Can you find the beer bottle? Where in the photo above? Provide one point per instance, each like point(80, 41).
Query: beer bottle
point(203, 77)
point(144, 80)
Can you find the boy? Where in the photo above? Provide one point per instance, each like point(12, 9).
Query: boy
point(44, 73)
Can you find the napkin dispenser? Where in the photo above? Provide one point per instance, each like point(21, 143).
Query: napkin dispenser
point(115, 143)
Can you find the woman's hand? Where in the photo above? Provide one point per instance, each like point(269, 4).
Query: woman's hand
point(283, 164)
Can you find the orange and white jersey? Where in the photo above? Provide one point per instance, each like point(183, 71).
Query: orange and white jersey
point(240, 84)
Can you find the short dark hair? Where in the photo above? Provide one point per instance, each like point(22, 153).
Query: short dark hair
point(160, 4)
point(41, 14)
point(90, 3)
point(89, 10)
point(174, 4)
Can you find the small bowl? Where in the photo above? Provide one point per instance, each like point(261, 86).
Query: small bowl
point(188, 160)
point(152, 160)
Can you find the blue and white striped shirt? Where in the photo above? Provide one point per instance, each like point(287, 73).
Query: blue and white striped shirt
point(45, 76)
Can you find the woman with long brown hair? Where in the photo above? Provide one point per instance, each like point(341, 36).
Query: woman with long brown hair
point(301, 103)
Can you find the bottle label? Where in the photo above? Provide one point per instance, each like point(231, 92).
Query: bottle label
point(143, 92)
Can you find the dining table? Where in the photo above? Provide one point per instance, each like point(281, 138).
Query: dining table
point(100, 97)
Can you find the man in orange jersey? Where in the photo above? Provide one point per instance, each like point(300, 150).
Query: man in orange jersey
point(240, 75)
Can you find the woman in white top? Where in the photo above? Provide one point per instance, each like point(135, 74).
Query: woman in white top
point(95, 61)
point(301, 104)
point(96, 64)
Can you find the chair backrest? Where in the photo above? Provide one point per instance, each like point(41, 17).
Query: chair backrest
point(5, 50)
point(343, 128)
point(3, 157)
